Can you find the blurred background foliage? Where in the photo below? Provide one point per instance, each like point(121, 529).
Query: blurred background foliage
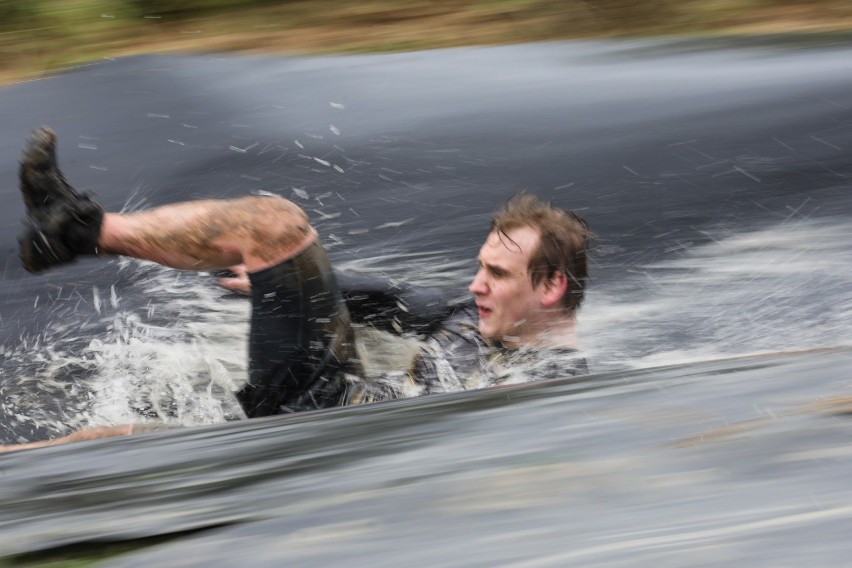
point(42, 35)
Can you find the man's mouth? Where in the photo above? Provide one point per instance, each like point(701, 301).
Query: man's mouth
point(483, 311)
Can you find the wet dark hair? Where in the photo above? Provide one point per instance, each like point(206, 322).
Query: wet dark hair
point(563, 242)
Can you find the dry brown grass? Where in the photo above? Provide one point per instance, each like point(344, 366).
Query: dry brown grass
point(337, 26)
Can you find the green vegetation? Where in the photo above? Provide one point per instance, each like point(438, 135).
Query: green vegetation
point(42, 35)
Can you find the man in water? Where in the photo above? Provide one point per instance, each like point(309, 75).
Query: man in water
point(531, 280)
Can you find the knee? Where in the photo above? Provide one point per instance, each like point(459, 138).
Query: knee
point(273, 214)
point(273, 207)
point(281, 227)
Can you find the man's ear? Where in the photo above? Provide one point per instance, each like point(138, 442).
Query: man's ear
point(554, 288)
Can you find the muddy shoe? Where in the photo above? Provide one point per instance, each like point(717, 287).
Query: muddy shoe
point(60, 222)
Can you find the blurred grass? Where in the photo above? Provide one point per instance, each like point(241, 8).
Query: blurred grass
point(38, 36)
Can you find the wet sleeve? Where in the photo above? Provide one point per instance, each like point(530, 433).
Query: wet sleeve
point(394, 306)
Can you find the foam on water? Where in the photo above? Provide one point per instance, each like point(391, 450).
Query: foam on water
point(179, 360)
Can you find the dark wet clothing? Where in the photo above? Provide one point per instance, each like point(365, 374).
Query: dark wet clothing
point(302, 343)
point(456, 357)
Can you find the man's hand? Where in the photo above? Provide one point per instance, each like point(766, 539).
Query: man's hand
point(239, 282)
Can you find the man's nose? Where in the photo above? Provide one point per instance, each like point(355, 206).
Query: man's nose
point(477, 285)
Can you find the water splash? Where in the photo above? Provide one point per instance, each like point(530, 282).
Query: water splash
point(783, 288)
point(174, 358)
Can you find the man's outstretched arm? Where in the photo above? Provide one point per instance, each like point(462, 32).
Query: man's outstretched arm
point(375, 301)
point(83, 435)
point(394, 306)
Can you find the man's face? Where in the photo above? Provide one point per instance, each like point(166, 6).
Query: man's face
point(509, 305)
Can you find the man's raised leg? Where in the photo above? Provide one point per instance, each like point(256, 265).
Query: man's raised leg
point(300, 340)
point(62, 224)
